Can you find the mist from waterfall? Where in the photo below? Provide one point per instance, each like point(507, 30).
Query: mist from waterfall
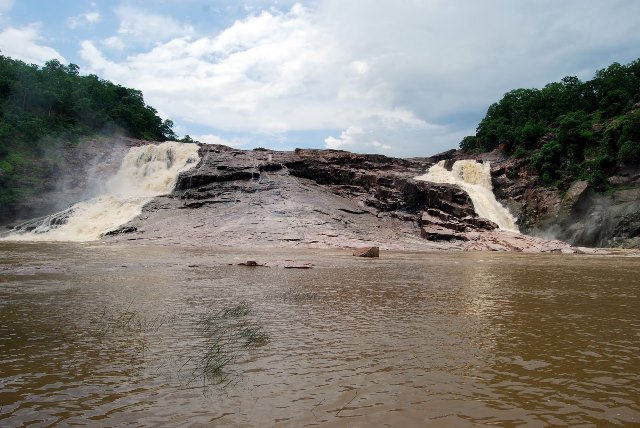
point(475, 179)
point(145, 172)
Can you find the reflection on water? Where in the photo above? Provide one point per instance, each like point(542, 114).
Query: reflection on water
point(117, 335)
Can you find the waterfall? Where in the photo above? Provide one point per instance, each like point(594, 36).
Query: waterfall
point(475, 179)
point(145, 172)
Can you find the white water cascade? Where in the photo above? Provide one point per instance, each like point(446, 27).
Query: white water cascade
point(145, 172)
point(475, 179)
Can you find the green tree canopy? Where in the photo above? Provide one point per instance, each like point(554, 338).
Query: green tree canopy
point(570, 129)
point(42, 108)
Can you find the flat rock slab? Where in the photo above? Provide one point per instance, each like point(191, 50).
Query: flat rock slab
point(298, 266)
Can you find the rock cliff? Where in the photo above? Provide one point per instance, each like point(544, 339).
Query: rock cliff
point(331, 198)
point(321, 198)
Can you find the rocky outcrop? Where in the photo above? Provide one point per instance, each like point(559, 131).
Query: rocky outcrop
point(437, 225)
point(332, 198)
point(377, 184)
point(318, 198)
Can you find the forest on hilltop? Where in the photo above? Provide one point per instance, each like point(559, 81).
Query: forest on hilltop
point(43, 109)
point(568, 130)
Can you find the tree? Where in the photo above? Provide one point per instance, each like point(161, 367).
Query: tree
point(571, 129)
point(469, 142)
point(43, 108)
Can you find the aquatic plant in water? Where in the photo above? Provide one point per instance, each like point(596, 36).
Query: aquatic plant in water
point(208, 352)
point(226, 335)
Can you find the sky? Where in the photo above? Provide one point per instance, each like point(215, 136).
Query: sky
point(396, 77)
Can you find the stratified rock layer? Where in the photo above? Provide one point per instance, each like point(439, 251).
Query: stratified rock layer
point(318, 198)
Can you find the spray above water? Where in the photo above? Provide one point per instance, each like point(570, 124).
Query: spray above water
point(145, 172)
point(475, 179)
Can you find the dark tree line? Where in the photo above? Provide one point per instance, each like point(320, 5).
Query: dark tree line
point(43, 108)
point(56, 100)
point(569, 129)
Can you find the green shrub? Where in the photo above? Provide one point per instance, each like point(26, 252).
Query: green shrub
point(468, 142)
point(520, 153)
point(629, 152)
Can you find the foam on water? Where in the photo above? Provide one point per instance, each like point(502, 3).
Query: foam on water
point(475, 179)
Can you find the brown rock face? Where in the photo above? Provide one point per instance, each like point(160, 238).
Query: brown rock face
point(333, 198)
point(377, 184)
point(438, 225)
point(317, 198)
point(323, 198)
point(577, 214)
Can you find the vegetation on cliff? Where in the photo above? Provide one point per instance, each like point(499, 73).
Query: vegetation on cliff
point(45, 108)
point(570, 129)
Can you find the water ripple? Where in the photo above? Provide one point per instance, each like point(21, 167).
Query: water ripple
point(113, 337)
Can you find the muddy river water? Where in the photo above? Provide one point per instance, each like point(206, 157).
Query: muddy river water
point(126, 335)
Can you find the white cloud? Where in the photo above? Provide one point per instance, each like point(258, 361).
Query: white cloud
point(215, 139)
point(114, 43)
point(142, 26)
point(360, 67)
point(26, 44)
point(348, 137)
point(90, 53)
point(92, 17)
point(386, 132)
point(355, 139)
point(394, 76)
point(271, 73)
point(242, 71)
point(83, 20)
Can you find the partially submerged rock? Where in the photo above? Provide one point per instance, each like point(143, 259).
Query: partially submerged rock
point(501, 240)
point(367, 252)
point(298, 266)
point(122, 230)
point(251, 263)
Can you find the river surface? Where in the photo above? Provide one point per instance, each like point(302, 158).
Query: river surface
point(130, 335)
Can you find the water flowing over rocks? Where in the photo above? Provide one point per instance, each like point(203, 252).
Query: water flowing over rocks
point(145, 171)
point(81, 173)
point(475, 179)
point(579, 215)
point(318, 198)
point(336, 199)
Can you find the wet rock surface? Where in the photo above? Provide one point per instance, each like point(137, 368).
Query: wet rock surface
point(318, 198)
